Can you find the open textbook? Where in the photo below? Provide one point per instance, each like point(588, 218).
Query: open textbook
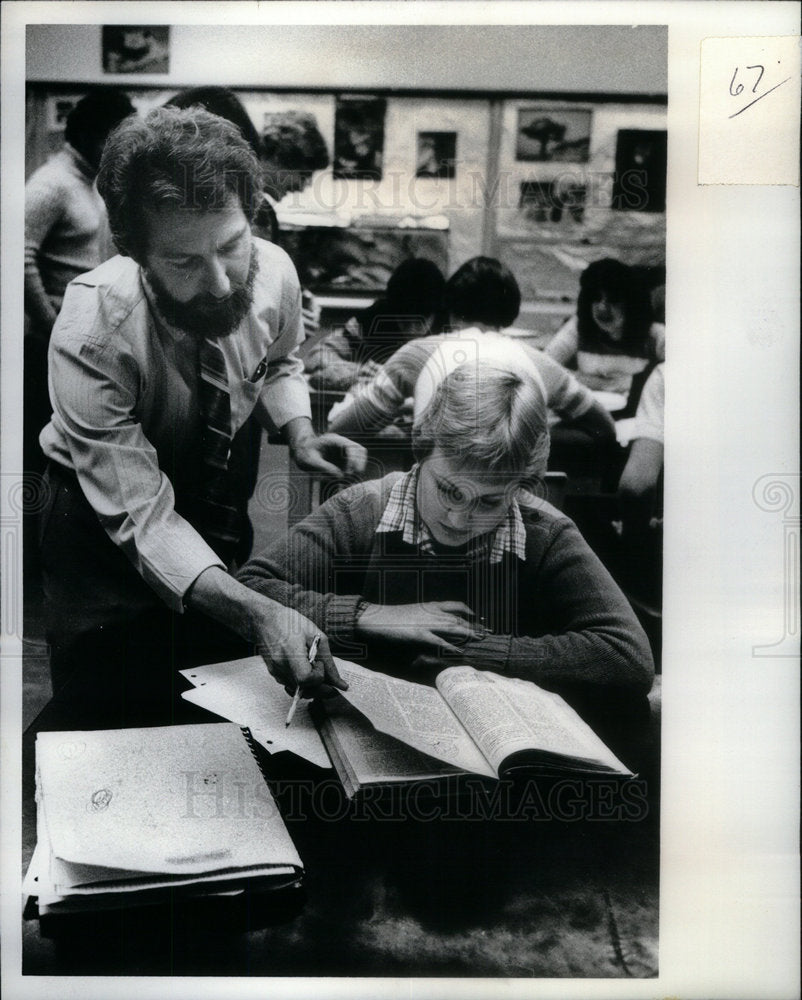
point(127, 816)
point(387, 730)
point(473, 721)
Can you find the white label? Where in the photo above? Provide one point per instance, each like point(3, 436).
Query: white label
point(749, 110)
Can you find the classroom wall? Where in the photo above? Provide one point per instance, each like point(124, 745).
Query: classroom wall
point(599, 58)
point(479, 209)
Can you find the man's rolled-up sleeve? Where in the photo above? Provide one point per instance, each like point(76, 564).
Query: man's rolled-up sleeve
point(93, 387)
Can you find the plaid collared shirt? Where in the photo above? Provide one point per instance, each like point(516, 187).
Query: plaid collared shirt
point(401, 514)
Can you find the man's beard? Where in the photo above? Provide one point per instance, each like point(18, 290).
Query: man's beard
point(204, 315)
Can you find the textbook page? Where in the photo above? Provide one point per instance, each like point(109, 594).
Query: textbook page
point(372, 757)
point(171, 799)
point(505, 715)
point(413, 713)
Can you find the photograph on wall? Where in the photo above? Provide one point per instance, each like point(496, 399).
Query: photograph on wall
point(640, 170)
point(58, 108)
point(437, 155)
point(553, 135)
point(359, 138)
point(136, 48)
point(553, 201)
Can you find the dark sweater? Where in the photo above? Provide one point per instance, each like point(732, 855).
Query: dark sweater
point(558, 617)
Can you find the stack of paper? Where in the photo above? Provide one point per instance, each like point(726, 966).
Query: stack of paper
point(129, 816)
point(244, 692)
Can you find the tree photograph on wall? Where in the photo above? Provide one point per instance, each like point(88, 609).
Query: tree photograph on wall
point(559, 135)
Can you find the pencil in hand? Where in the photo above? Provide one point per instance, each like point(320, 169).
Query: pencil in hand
point(295, 698)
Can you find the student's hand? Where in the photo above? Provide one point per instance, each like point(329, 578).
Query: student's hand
point(283, 638)
point(435, 625)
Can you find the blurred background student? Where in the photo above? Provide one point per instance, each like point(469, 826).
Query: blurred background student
point(66, 234)
point(482, 297)
point(410, 308)
point(613, 336)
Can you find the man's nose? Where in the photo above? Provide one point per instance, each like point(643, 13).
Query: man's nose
point(219, 283)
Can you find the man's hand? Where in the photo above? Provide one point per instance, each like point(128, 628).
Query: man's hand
point(282, 636)
point(330, 454)
point(436, 625)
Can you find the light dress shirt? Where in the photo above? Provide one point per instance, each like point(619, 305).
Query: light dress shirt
point(124, 391)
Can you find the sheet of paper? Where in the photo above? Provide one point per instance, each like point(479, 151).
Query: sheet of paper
point(413, 713)
point(171, 799)
point(244, 692)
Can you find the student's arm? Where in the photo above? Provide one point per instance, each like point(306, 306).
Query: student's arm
point(571, 400)
point(379, 402)
point(330, 365)
point(564, 345)
point(318, 569)
point(597, 422)
point(593, 637)
point(642, 471)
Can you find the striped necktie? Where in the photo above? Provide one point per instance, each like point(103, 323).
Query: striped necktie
point(220, 514)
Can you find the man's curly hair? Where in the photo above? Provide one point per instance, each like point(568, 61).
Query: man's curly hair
point(185, 158)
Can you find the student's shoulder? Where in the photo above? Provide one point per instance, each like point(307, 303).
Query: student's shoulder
point(101, 302)
point(543, 523)
point(53, 176)
point(373, 494)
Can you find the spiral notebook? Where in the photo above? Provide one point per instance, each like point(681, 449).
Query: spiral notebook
point(134, 814)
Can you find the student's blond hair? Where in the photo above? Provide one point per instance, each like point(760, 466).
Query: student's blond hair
point(486, 417)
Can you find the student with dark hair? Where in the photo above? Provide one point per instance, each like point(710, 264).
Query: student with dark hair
point(65, 227)
point(483, 292)
point(223, 102)
point(612, 337)
point(456, 561)
point(408, 309)
point(480, 298)
point(158, 358)
point(292, 149)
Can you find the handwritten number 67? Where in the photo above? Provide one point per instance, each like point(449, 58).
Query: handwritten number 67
point(739, 86)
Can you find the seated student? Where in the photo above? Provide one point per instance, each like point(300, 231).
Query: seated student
point(481, 296)
point(355, 352)
point(456, 560)
point(640, 496)
point(612, 337)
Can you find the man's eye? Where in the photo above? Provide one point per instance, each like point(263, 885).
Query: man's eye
point(488, 503)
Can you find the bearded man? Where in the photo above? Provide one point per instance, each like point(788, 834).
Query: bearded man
point(158, 358)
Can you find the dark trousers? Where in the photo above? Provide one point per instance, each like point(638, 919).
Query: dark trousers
point(115, 648)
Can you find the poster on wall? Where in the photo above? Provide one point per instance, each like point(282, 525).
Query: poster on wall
point(437, 155)
point(640, 170)
point(58, 108)
point(136, 48)
point(359, 138)
point(558, 135)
